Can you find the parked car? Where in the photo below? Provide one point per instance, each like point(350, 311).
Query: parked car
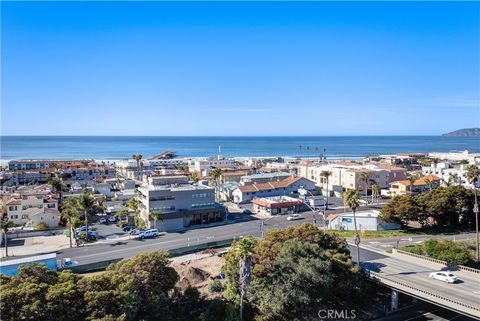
point(112, 219)
point(128, 228)
point(247, 211)
point(68, 263)
point(103, 220)
point(149, 234)
point(294, 217)
point(446, 276)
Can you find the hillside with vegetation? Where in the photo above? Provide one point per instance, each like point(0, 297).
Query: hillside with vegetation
point(475, 132)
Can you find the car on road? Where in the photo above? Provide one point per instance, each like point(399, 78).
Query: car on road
point(103, 220)
point(68, 263)
point(445, 276)
point(128, 228)
point(294, 217)
point(149, 234)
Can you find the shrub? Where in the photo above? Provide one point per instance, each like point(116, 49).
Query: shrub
point(216, 286)
point(415, 249)
point(41, 226)
point(454, 253)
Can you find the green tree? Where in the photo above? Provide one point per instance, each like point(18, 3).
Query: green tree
point(411, 179)
point(216, 173)
point(446, 250)
point(365, 177)
point(472, 174)
point(156, 215)
point(401, 209)
point(137, 158)
point(351, 199)
point(194, 177)
point(376, 190)
point(327, 175)
point(70, 213)
point(5, 225)
point(86, 203)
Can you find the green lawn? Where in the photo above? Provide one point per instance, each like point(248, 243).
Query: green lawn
point(397, 233)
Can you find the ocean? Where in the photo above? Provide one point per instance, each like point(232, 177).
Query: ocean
point(122, 147)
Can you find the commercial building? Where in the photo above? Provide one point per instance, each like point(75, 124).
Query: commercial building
point(366, 221)
point(264, 178)
point(277, 205)
point(180, 203)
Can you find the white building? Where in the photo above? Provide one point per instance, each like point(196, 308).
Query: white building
point(181, 204)
point(366, 221)
point(32, 208)
point(452, 174)
point(457, 156)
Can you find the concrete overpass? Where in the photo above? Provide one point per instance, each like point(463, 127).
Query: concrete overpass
point(409, 274)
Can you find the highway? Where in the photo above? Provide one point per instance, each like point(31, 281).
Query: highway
point(373, 257)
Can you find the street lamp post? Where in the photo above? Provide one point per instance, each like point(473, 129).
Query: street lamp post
point(304, 192)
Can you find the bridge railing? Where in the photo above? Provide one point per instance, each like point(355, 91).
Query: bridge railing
point(398, 284)
point(426, 258)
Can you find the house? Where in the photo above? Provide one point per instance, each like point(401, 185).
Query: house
point(29, 208)
point(287, 186)
point(277, 205)
point(421, 185)
point(232, 176)
point(264, 178)
point(366, 221)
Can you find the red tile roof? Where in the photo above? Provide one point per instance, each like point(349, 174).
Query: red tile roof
point(270, 185)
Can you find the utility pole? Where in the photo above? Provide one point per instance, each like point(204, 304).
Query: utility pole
point(475, 210)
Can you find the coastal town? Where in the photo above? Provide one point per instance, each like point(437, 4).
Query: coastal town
point(170, 194)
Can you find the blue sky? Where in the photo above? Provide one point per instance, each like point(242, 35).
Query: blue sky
point(233, 68)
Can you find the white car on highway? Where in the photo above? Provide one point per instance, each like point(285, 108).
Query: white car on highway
point(446, 276)
point(294, 217)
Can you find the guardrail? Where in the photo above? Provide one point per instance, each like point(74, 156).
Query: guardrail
point(426, 258)
point(380, 278)
point(102, 265)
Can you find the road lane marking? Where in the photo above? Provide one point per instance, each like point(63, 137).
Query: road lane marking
point(424, 314)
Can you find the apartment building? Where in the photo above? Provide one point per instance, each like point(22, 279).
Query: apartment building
point(32, 206)
point(449, 173)
point(346, 175)
point(264, 178)
point(181, 204)
point(421, 185)
point(285, 187)
point(457, 156)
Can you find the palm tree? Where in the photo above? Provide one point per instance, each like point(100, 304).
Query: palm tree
point(364, 177)
point(194, 177)
point(411, 179)
point(5, 225)
point(70, 213)
point(351, 199)
point(326, 174)
point(215, 174)
point(455, 179)
point(376, 190)
point(156, 215)
point(86, 203)
point(243, 250)
point(137, 158)
point(429, 184)
point(472, 175)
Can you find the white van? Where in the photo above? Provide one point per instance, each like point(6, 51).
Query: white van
point(149, 234)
